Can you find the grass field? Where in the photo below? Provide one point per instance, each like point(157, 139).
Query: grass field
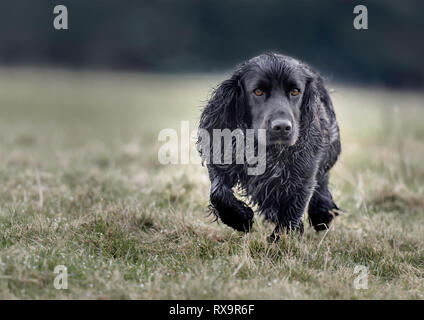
point(81, 186)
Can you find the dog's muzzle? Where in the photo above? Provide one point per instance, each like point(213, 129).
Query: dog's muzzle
point(281, 132)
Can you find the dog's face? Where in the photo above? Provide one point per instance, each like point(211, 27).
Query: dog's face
point(273, 92)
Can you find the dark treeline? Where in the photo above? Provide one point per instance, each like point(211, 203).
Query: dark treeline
point(213, 35)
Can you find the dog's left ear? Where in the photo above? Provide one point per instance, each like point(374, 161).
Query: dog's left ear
point(315, 92)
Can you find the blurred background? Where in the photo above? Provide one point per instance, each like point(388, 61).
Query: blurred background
point(210, 35)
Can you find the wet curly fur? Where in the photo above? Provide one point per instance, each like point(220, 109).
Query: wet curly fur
point(296, 176)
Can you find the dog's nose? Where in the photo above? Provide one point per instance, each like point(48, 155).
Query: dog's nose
point(284, 126)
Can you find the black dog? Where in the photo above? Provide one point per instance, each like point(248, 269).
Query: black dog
point(289, 100)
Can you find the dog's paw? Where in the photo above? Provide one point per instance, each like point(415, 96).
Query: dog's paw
point(239, 217)
point(276, 234)
point(321, 216)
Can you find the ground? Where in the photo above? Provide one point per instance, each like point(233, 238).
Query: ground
point(81, 186)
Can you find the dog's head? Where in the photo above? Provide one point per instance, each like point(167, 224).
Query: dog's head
point(271, 92)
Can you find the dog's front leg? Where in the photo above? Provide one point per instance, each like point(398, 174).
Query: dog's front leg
point(290, 212)
point(226, 206)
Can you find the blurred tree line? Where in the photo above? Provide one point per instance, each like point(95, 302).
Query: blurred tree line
point(214, 35)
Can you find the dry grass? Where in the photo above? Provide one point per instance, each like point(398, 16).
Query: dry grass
point(82, 187)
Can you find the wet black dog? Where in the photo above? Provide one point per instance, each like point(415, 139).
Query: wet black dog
point(288, 99)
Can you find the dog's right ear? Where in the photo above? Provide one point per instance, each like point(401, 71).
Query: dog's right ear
point(225, 109)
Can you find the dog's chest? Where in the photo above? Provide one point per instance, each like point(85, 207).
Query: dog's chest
point(278, 179)
point(285, 174)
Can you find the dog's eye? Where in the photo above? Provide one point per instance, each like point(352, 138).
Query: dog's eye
point(258, 92)
point(294, 92)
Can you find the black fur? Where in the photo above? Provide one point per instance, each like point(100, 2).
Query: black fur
point(296, 175)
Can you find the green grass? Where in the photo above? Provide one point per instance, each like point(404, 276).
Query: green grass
point(81, 186)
